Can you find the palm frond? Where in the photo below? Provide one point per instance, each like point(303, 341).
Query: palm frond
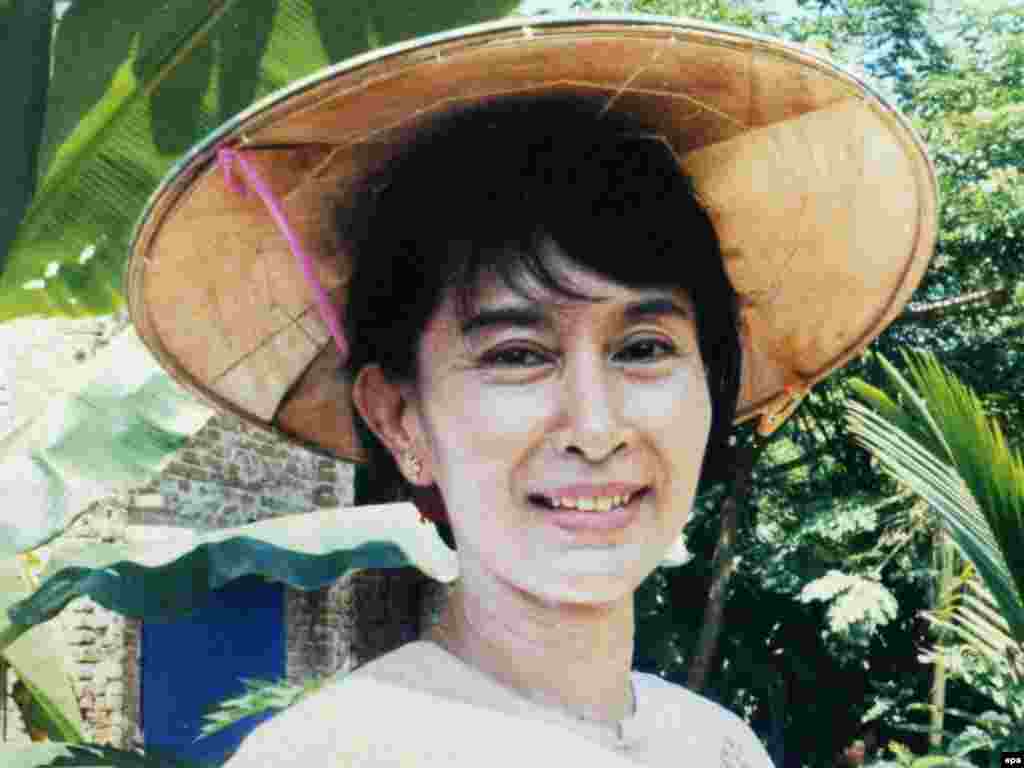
point(260, 696)
point(975, 620)
point(992, 471)
point(937, 440)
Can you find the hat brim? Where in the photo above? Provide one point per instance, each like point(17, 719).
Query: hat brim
point(822, 195)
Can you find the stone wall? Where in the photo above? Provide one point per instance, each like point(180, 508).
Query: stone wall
point(232, 474)
point(229, 474)
point(102, 647)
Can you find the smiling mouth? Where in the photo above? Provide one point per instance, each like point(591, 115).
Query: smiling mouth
point(595, 506)
point(600, 520)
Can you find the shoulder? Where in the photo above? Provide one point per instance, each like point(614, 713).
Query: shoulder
point(339, 724)
point(297, 734)
point(720, 734)
point(372, 718)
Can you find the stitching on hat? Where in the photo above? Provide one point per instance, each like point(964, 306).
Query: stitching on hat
point(625, 86)
point(270, 339)
point(274, 304)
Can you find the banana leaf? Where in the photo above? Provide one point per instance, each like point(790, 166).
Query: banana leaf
point(25, 49)
point(162, 573)
point(85, 756)
point(37, 659)
point(101, 428)
point(133, 86)
point(963, 468)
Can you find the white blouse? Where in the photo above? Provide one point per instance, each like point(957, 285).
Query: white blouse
point(421, 705)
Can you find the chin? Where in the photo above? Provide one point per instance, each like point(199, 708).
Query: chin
point(586, 577)
point(581, 597)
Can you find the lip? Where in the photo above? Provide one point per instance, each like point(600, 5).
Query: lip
point(576, 521)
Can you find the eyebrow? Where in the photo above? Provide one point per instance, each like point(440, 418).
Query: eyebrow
point(531, 316)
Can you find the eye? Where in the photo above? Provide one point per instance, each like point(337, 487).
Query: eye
point(646, 350)
point(513, 357)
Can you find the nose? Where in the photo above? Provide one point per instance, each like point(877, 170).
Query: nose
point(592, 422)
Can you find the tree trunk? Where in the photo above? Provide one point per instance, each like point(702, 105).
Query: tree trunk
point(987, 299)
point(779, 712)
point(724, 564)
point(944, 558)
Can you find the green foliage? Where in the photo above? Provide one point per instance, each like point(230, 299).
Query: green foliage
point(893, 42)
point(800, 559)
point(718, 11)
point(25, 49)
point(987, 659)
point(999, 680)
point(85, 756)
point(43, 691)
point(984, 737)
point(858, 607)
point(46, 699)
point(964, 469)
point(133, 86)
point(937, 440)
point(260, 696)
point(972, 617)
point(967, 115)
point(905, 758)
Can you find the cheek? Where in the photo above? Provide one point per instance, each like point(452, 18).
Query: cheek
point(478, 436)
point(487, 425)
point(676, 420)
point(676, 412)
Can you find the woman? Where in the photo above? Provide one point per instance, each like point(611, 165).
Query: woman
point(551, 267)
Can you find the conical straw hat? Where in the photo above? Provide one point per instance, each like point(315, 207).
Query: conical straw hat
point(823, 198)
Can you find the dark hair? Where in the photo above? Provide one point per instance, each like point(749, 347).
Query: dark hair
point(479, 189)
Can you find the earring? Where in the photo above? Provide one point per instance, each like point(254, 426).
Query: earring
point(412, 464)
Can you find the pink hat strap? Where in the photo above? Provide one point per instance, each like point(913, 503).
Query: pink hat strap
point(226, 157)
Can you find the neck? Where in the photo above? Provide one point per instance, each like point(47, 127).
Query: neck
point(572, 657)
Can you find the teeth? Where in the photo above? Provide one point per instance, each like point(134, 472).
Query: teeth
point(590, 504)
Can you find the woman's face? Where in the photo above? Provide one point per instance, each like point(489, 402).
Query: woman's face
point(543, 401)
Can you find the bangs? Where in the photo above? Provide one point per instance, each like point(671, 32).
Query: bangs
point(526, 270)
point(615, 202)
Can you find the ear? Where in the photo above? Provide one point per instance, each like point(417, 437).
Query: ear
point(390, 411)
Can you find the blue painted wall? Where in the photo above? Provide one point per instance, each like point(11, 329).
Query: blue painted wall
point(190, 665)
